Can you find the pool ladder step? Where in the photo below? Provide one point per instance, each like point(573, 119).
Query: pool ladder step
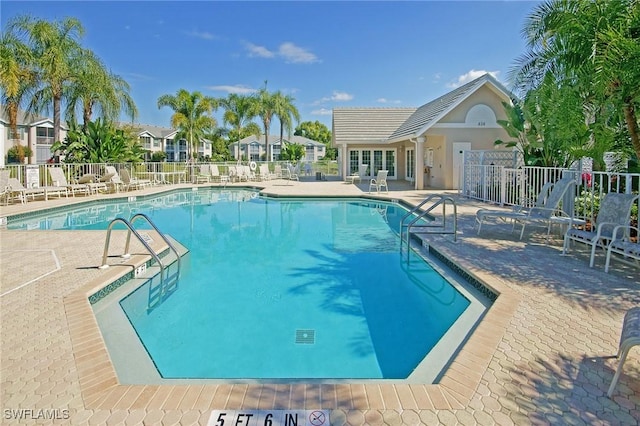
point(445, 223)
point(168, 281)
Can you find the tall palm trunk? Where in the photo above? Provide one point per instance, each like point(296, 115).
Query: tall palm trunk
point(632, 125)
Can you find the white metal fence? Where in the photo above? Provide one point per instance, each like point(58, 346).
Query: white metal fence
point(38, 175)
point(509, 186)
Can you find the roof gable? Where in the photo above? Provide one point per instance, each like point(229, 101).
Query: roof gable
point(429, 114)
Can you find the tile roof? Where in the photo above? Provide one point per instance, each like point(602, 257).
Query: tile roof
point(367, 124)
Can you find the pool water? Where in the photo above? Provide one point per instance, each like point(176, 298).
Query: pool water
point(279, 288)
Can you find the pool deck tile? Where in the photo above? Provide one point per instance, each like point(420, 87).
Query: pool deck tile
point(543, 353)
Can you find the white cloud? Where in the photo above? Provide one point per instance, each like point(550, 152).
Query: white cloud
point(295, 54)
point(336, 97)
point(341, 96)
point(321, 111)
point(238, 88)
point(259, 51)
point(387, 101)
point(471, 75)
point(202, 34)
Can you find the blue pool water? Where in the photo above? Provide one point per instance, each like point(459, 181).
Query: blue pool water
point(277, 288)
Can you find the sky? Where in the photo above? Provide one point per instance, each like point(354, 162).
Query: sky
point(325, 54)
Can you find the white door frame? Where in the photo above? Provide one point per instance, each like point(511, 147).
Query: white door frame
point(458, 161)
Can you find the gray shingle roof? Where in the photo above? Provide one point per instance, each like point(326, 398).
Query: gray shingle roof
point(430, 113)
point(367, 124)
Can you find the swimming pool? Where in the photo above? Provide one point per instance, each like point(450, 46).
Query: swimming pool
point(287, 289)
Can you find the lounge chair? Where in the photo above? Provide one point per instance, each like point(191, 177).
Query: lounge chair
point(362, 173)
point(132, 182)
point(96, 183)
point(216, 176)
point(516, 212)
point(59, 179)
point(629, 337)
point(204, 174)
point(4, 186)
point(623, 245)
point(18, 191)
point(546, 211)
point(615, 210)
point(291, 172)
point(115, 182)
point(265, 174)
point(380, 181)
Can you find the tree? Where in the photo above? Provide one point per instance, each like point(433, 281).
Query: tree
point(286, 112)
point(317, 131)
point(98, 142)
point(56, 53)
point(17, 77)
point(239, 111)
point(95, 88)
point(265, 106)
point(592, 44)
point(192, 116)
point(293, 152)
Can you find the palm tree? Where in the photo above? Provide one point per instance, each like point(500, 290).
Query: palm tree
point(239, 113)
point(592, 44)
point(16, 76)
point(95, 88)
point(56, 51)
point(192, 116)
point(265, 107)
point(286, 112)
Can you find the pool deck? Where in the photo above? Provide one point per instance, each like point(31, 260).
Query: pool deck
point(543, 353)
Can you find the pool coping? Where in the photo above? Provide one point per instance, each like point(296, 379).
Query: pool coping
point(100, 388)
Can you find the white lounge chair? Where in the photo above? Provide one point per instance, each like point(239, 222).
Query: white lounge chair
point(629, 337)
point(380, 181)
point(623, 245)
point(216, 176)
point(615, 210)
point(132, 182)
point(4, 186)
point(265, 174)
point(115, 182)
point(204, 174)
point(18, 191)
point(546, 211)
point(59, 179)
point(362, 173)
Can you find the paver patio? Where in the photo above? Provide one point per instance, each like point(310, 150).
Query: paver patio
point(542, 355)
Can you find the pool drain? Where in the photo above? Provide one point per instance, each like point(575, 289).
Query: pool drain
point(305, 337)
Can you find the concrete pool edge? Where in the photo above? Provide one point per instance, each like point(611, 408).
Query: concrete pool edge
point(100, 387)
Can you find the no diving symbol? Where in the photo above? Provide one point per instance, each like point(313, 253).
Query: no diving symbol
point(317, 418)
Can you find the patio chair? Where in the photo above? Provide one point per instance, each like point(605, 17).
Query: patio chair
point(362, 172)
point(96, 183)
point(18, 191)
point(132, 182)
point(623, 245)
point(4, 186)
point(549, 213)
point(615, 209)
point(265, 174)
point(115, 182)
point(380, 181)
point(516, 211)
point(629, 337)
point(59, 179)
point(204, 174)
point(216, 176)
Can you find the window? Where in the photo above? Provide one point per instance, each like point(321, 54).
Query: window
point(145, 141)
point(310, 153)
point(44, 135)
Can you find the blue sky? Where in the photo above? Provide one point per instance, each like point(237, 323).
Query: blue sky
point(324, 54)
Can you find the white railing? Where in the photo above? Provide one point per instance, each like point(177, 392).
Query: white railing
point(509, 187)
point(74, 171)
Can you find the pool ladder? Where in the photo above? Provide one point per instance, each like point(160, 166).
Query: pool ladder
point(439, 226)
point(168, 281)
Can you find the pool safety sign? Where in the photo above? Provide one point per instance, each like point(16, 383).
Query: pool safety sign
point(269, 418)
